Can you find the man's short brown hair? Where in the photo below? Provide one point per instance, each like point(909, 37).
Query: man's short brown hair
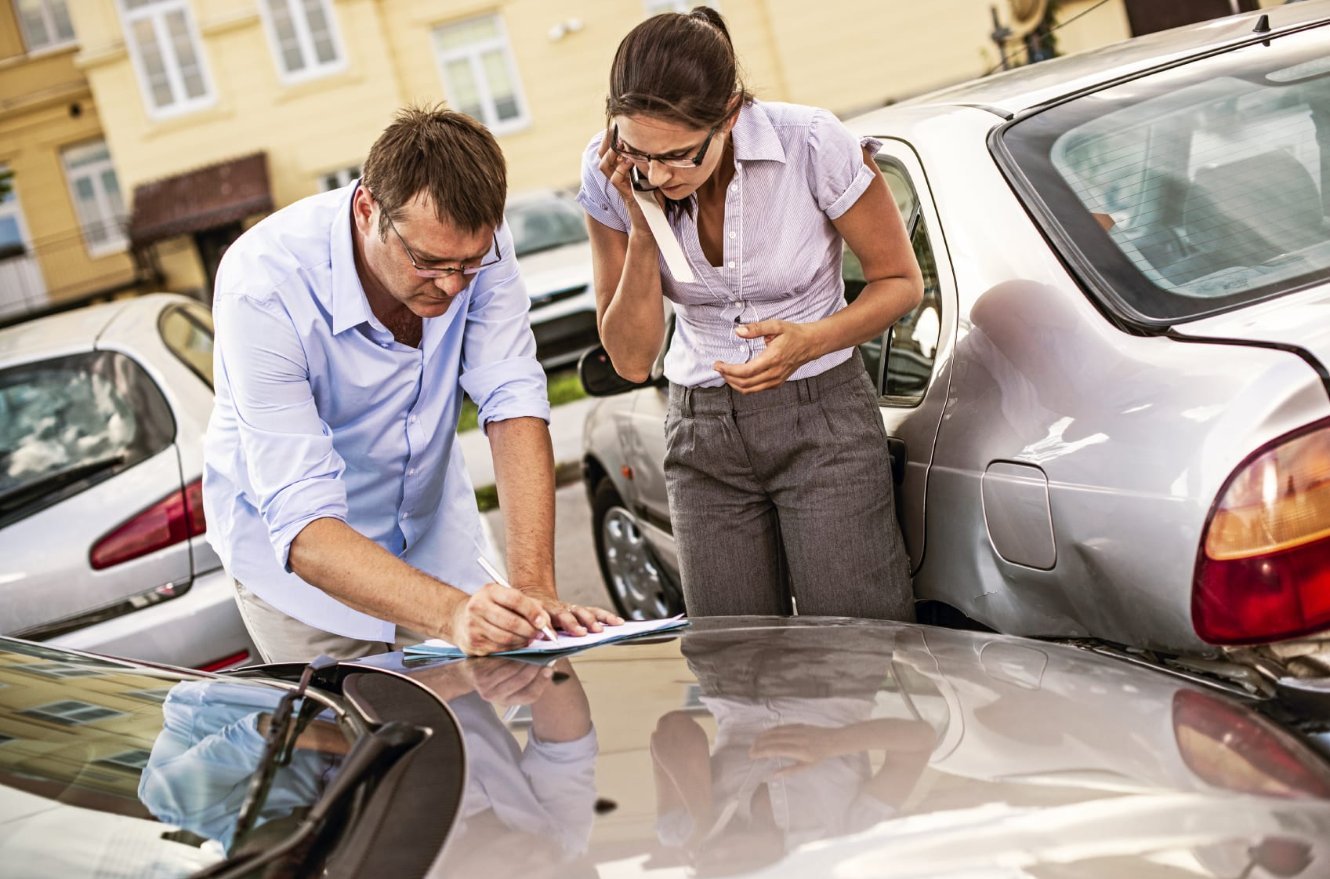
point(444, 154)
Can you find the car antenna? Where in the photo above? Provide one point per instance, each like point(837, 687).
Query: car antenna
point(1262, 25)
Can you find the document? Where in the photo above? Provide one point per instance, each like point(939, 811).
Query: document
point(437, 647)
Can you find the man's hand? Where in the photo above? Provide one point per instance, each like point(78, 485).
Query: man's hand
point(496, 618)
point(507, 681)
point(575, 619)
point(789, 346)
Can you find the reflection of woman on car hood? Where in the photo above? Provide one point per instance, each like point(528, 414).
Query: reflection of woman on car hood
point(211, 743)
point(790, 763)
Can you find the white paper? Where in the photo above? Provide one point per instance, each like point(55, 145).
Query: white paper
point(563, 642)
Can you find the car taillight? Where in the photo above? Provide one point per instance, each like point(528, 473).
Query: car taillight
point(1237, 750)
point(1263, 570)
point(176, 517)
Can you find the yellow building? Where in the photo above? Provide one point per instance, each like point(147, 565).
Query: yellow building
point(62, 224)
point(216, 111)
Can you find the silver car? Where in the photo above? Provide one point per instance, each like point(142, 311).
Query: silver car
point(102, 547)
point(1110, 415)
point(554, 255)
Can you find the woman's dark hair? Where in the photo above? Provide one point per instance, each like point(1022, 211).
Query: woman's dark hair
point(679, 67)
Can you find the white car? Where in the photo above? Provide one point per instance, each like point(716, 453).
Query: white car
point(554, 255)
point(102, 416)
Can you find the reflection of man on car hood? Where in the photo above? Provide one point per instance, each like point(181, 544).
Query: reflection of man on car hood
point(210, 745)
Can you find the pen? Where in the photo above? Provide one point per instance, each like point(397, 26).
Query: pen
point(493, 572)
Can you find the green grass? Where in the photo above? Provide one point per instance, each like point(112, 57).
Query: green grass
point(564, 387)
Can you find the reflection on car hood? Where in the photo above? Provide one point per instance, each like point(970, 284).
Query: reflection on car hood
point(833, 747)
point(550, 271)
point(1300, 320)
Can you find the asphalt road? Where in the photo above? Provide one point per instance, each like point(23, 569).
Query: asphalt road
point(574, 555)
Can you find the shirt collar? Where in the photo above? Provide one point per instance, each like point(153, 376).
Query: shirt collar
point(754, 137)
point(350, 306)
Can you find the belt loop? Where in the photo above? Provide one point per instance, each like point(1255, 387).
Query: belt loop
point(686, 404)
point(805, 387)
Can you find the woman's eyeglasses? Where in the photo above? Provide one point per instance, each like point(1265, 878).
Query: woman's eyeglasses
point(679, 159)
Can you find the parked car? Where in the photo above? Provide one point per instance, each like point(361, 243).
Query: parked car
point(754, 746)
point(1110, 415)
point(554, 256)
point(102, 416)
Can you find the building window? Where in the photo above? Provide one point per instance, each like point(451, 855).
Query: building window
point(97, 201)
point(45, 24)
point(304, 37)
point(72, 712)
point(655, 7)
point(340, 178)
point(479, 75)
point(59, 669)
point(165, 46)
point(134, 760)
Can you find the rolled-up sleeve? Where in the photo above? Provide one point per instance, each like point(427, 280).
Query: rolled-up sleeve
point(836, 169)
point(293, 470)
point(500, 372)
point(597, 196)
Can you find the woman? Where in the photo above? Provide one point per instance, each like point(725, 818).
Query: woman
point(776, 462)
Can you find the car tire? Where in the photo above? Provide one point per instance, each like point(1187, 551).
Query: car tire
point(638, 584)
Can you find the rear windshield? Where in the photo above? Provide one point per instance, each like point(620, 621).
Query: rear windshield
point(1195, 189)
point(71, 422)
point(544, 224)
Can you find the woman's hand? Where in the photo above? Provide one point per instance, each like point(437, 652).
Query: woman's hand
point(789, 346)
point(617, 170)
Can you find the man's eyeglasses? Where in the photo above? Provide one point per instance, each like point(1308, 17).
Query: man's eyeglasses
point(671, 160)
point(466, 267)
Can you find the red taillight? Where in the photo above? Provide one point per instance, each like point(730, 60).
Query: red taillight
point(176, 517)
point(1263, 570)
point(1235, 749)
point(225, 661)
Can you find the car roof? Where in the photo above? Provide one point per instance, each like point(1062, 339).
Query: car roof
point(1014, 91)
point(79, 329)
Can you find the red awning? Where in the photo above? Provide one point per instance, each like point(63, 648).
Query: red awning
point(202, 199)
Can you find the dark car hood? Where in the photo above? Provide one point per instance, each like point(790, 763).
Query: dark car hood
point(821, 747)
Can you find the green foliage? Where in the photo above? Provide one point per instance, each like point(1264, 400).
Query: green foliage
point(564, 387)
point(6, 183)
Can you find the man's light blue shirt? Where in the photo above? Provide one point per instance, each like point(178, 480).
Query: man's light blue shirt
point(320, 413)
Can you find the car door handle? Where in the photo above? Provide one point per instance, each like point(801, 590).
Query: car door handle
point(896, 448)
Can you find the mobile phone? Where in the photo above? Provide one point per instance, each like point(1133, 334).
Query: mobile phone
point(639, 182)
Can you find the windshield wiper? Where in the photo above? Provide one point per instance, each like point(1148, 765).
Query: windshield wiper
point(17, 497)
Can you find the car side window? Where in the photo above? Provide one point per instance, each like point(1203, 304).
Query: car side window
point(187, 332)
point(911, 343)
point(69, 423)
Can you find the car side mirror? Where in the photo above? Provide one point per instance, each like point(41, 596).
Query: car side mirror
point(599, 378)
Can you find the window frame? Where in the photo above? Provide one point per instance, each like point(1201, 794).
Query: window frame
point(344, 176)
point(62, 712)
point(157, 12)
point(53, 46)
point(192, 315)
point(313, 68)
point(118, 240)
point(472, 55)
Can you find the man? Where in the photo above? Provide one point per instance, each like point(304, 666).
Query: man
point(348, 326)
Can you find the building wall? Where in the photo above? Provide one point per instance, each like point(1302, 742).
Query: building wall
point(46, 107)
point(847, 56)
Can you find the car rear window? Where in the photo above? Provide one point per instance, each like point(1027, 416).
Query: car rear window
point(71, 422)
point(1194, 189)
point(187, 331)
point(544, 224)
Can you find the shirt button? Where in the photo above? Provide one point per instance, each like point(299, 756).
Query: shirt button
point(734, 187)
point(406, 516)
point(731, 263)
point(413, 419)
point(411, 472)
point(731, 234)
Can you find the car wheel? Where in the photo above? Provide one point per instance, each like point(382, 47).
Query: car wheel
point(638, 585)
